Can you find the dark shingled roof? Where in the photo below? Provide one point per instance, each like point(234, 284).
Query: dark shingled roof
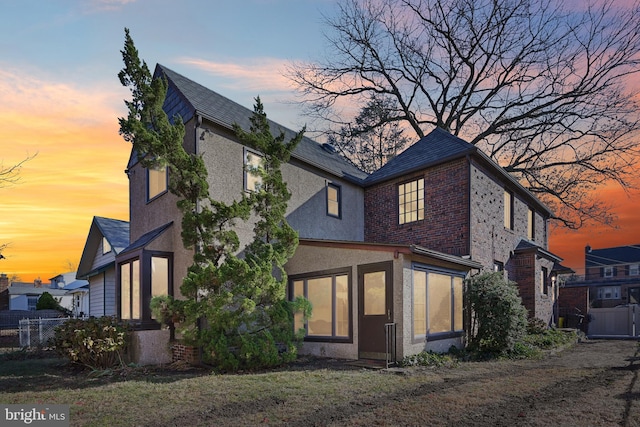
point(147, 238)
point(628, 254)
point(187, 99)
point(438, 146)
point(115, 231)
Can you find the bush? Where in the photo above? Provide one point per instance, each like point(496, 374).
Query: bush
point(429, 358)
point(499, 319)
point(97, 343)
point(48, 302)
point(536, 326)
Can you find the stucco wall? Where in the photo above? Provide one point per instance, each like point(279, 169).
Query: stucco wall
point(150, 347)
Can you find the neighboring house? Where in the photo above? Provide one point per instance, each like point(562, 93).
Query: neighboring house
point(106, 239)
point(24, 296)
point(612, 276)
point(78, 290)
point(382, 257)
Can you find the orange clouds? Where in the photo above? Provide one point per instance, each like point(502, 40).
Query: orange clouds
point(78, 171)
point(570, 244)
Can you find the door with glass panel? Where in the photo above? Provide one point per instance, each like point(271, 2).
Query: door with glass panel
point(375, 308)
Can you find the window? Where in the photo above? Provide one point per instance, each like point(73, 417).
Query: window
point(106, 246)
point(130, 302)
point(333, 200)
point(634, 270)
point(508, 210)
point(252, 165)
point(609, 292)
point(437, 303)
point(531, 224)
point(32, 302)
point(330, 296)
point(498, 265)
point(411, 201)
point(544, 280)
point(608, 272)
point(156, 182)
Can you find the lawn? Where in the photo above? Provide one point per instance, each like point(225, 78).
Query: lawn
point(590, 383)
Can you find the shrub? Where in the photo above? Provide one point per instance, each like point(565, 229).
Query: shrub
point(536, 326)
point(499, 319)
point(429, 358)
point(97, 343)
point(48, 302)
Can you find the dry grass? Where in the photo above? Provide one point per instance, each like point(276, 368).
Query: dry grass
point(592, 383)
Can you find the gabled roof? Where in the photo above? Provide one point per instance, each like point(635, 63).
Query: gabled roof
point(117, 234)
point(438, 147)
point(627, 254)
point(189, 99)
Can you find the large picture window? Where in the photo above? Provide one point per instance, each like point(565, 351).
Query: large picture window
point(437, 303)
point(411, 201)
point(330, 296)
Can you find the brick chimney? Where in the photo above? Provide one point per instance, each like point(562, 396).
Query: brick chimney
point(37, 283)
point(4, 282)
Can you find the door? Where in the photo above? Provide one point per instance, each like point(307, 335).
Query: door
point(375, 308)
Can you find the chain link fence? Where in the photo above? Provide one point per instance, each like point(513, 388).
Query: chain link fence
point(10, 326)
point(38, 332)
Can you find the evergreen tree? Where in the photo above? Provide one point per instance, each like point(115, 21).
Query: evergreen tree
point(235, 307)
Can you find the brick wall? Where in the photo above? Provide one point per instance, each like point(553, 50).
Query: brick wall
point(522, 270)
point(185, 353)
point(570, 299)
point(446, 224)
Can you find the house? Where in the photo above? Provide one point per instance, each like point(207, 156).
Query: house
point(24, 296)
point(107, 237)
point(611, 279)
point(382, 257)
point(76, 289)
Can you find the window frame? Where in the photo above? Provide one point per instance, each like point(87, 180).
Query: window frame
point(508, 214)
point(338, 201)
point(106, 246)
point(544, 280)
point(456, 302)
point(403, 202)
point(531, 224)
point(608, 271)
point(634, 269)
point(257, 180)
point(155, 195)
point(333, 273)
point(615, 292)
point(145, 279)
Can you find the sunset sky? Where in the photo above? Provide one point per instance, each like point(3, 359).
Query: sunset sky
point(61, 99)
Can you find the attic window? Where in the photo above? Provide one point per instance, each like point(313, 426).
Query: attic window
point(106, 246)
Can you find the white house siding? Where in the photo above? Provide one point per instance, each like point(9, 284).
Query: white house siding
point(102, 294)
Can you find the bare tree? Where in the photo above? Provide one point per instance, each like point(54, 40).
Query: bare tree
point(374, 137)
point(10, 175)
point(540, 88)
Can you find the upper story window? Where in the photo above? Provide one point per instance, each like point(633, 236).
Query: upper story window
point(252, 164)
point(498, 265)
point(333, 200)
point(508, 209)
point(411, 201)
point(531, 224)
point(634, 269)
point(607, 272)
point(106, 246)
point(156, 182)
